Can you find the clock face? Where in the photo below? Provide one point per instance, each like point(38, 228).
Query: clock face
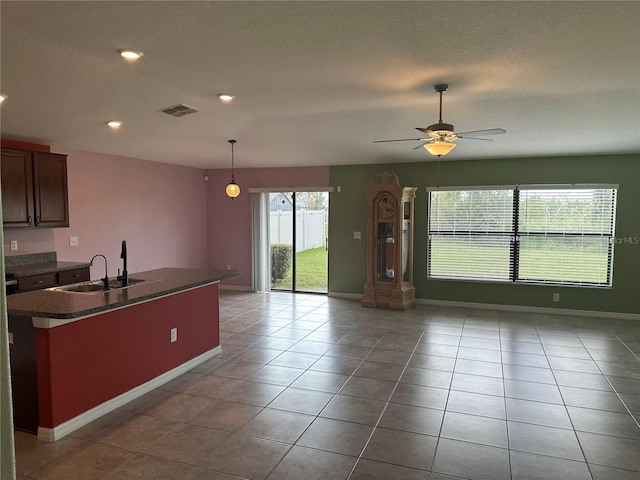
point(386, 208)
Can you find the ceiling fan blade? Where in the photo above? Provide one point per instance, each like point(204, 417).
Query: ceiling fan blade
point(423, 130)
point(489, 131)
point(473, 138)
point(401, 140)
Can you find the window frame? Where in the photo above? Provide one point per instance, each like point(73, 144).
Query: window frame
point(516, 233)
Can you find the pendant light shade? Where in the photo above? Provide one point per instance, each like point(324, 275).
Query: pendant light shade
point(439, 147)
point(232, 190)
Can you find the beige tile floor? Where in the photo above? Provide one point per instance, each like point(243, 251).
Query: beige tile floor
point(310, 387)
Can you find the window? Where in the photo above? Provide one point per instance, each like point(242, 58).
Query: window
point(531, 233)
point(470, 234)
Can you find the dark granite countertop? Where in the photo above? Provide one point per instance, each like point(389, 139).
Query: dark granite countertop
point(44, 267)
point(50, 303)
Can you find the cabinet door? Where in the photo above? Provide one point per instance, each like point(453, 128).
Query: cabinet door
point(17, 189)
point(73, 276)
point(37, 282)
point(50, 184)
point(24, 374)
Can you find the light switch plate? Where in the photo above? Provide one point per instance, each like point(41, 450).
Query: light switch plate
point(357, 235)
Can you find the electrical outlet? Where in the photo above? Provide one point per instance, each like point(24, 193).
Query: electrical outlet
point(73, 241)
point(10, 338)
point(556, 297)
point(14, 245)
point(357, 235)
point(228, 267)
point(174, 335)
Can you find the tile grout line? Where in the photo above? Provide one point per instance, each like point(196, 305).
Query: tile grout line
point(304, 370)
point(504, 392)
point(384, 408)
point(564, 404)
point(317, 416)
point(444, 413)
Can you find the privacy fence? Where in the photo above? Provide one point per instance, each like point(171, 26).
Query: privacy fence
point(310, 228)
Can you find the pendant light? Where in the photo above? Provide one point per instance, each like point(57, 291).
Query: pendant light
point(233, 190)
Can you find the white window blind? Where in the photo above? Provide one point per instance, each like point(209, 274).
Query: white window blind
point(557, 234)
point(566, 235)
point(470, 232)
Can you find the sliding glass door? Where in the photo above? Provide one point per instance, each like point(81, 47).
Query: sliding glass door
point(298, 227)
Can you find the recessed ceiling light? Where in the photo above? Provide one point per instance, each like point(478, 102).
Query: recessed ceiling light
point(114, 123)
point(129, 54)
point(226, 97)
point(3, 97)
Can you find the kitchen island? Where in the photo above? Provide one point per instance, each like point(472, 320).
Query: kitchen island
point(92, 352)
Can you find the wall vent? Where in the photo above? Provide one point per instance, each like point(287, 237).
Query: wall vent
point(179, 110)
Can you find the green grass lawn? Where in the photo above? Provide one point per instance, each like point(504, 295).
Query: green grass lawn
point(566, 263)
point(312, 271)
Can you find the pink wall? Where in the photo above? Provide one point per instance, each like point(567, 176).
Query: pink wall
point(229, 221)
point(167, 214)
point(159, 209)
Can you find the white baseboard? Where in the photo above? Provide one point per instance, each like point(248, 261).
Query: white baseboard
point(529, 309)
point(59, 431)
point(508, 308)
point(235, 287)
point(348, 296)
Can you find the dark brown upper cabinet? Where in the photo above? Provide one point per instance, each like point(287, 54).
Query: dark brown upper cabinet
point(34, 189)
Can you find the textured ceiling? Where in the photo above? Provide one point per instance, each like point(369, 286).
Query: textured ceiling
point(317, 82)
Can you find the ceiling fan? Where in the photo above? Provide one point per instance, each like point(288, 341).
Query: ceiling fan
point(442, 137)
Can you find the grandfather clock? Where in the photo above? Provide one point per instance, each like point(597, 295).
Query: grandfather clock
point(389, 244)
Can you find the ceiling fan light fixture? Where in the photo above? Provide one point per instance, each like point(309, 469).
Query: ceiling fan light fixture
point(442, 136)
point(440, 128)
point(439, 148)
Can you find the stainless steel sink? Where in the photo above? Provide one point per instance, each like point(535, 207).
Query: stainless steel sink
point(97, 286)
point(115, 283)
point(83, 288)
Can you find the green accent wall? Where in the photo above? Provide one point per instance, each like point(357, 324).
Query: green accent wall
point(348, 214)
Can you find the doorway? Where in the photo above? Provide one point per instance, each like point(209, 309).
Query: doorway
point(292, 230)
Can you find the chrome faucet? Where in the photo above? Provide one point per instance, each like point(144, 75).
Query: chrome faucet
point(124, 278)
point(105, 280)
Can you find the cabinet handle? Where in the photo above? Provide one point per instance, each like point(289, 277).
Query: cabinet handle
point(29, 219)
point(37, 219)
point(75, 276)
point(37, 283)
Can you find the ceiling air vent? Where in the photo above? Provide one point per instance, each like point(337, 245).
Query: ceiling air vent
point(179, 110)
